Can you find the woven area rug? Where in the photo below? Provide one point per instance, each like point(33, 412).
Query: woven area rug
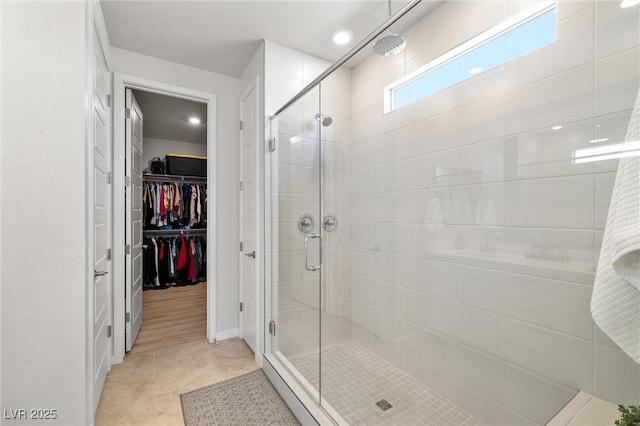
point(245, 400)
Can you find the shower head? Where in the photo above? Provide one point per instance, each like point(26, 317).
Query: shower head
point(389, 45)
point(324, 119)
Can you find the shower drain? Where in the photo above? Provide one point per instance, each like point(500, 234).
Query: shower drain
point(384, 404)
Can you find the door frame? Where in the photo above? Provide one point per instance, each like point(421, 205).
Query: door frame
point(120, 82)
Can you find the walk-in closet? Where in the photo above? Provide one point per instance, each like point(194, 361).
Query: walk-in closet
point(173, 220)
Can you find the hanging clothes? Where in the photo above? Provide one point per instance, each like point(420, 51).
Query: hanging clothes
point(171, 205)
point(173, 261)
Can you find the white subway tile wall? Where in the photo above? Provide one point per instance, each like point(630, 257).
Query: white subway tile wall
point(467, 240)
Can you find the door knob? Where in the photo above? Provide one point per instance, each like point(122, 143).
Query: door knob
point(99, 273)
point(252, 254)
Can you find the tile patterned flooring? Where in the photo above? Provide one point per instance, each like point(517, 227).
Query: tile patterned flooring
point(354, 379)
point(145, 389)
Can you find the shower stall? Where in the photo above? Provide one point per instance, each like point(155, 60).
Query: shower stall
point(430, 254)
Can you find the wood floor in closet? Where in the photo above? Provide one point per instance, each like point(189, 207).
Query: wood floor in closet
point(171, 317)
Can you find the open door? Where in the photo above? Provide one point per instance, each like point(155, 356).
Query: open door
point(249, 219)
point(101, 164)
point(133, 231)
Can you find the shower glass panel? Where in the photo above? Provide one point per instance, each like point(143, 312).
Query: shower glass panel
point(461, 233)
point(293, 208)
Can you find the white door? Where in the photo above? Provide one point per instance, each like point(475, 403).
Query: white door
point(249, 218)
point(101, 159)
point(133, 232)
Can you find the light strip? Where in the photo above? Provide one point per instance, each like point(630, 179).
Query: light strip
point(629, 3)
point(606, 157)
point(607, 152)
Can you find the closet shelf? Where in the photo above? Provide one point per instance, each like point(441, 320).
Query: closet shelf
point(174, 231)
point(173, 178)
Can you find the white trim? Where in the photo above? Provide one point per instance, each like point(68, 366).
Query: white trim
point(1, 195)
point(227, 334)
point(268, 163)
point(88, 216)
point(260, 225)
point(120, 82)
point(306, 394)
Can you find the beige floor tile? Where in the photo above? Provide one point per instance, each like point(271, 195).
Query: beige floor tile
point(124, 389)
point(145, 389)
point(180, 352)
point(168, 404)
point(133, 363)
point(188, 370)
point(137, 413)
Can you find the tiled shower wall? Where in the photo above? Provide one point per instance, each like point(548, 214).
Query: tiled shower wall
point(294, 172)
point(473, 237)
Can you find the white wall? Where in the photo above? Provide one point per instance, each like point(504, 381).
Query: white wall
point(43, 260)
point(492, 309)
point(287, 71)
point(226, 90)
point(157, 147)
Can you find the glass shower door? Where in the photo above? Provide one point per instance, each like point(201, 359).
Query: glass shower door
point(294, 241)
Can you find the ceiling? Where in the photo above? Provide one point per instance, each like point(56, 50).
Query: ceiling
point(222, 35)
point(167, 117)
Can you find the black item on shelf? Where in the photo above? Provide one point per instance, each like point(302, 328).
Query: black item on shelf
point(157, 166)
point(188, 165)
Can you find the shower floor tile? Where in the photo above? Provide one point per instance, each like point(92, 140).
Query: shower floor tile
point(354, 379)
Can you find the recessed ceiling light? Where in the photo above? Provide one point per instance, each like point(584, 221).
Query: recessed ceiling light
point(342, 37)
point(476, 70)
point(629, 3)
point(194, 120)
point(599, 140)
point(556, 128)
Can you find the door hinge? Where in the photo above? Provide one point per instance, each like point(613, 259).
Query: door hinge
point(109, 329)
point(108, 254)
point(241, 307)
point(127, 317)
point(109, 175)
point(241, 185)
point(127, 249)
point(272, 328)
point(108, 99)
point(241, 245)
point(241, 125)
point(127, 181)
point(127, 113)
point(271, 144)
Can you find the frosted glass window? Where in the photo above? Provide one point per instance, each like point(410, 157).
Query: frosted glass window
point(510, 40)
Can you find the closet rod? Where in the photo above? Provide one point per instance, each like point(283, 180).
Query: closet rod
point(174, 178)
point(174, 231)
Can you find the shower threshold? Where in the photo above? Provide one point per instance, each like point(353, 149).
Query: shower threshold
point(360, 388)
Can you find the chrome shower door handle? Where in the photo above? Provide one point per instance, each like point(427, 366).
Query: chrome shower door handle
point(306, 252)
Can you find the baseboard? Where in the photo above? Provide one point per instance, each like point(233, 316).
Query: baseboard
point(227, 334)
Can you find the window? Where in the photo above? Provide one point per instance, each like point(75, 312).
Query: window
point(511, 39)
